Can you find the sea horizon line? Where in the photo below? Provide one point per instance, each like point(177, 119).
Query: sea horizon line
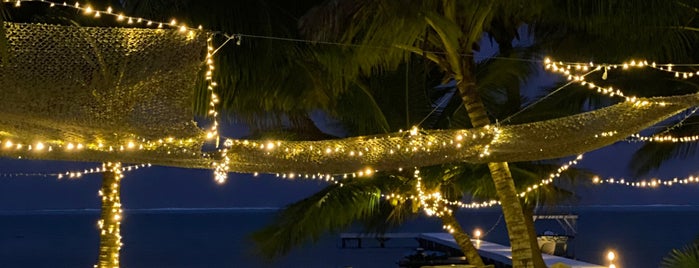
point(562, 208)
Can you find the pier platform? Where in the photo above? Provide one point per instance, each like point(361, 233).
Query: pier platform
point(496, 252)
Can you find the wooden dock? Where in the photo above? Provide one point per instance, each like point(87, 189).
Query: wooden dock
point(490, 252)
point(499, 253)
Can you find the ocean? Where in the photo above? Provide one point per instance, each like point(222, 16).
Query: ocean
point(641, 236)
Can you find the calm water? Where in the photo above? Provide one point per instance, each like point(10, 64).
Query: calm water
point(219, 238)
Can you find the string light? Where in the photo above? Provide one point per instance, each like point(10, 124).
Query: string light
point(556, 174)
point(652, 183)
point(431, 209)
point(169, 144)
point(221, 167)
point(434, 204)
point(665, 138)
point(568, 70)
point(211, 84)
point(486, 148)
point(73, 174)
point(403, 144)
point(89, 10)
point(430, 203)
point(318, 176)
point(665, 67)
point(455, 203)
point(572, 72)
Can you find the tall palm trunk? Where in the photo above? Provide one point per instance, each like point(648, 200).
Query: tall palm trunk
point(528, 211)
point(110, 218)
point(463, 240)
point(517, 227)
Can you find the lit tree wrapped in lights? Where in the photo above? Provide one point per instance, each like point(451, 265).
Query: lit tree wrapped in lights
point(110, 218)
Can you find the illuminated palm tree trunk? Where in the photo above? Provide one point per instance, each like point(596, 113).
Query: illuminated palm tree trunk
point(110, 218)
point(517, 227)
point(462, 239)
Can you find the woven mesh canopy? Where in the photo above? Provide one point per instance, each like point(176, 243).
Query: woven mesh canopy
point(107, 88)
point(526, 142)
point(91, 85)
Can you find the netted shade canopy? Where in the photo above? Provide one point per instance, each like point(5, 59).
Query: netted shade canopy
point(91, 86)
point(526, 142)
point(126, 95)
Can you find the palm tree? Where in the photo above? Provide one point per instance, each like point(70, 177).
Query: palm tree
point(452, 181)
point(686, 257)
point(447, 33)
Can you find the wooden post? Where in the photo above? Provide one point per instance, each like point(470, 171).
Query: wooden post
point(110, 218)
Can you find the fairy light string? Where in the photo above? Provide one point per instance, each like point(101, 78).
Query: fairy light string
point(89, 11)
point(169, 144)
point(572, 70)
point(662, 137)
point(74, 174)
point(647, 183)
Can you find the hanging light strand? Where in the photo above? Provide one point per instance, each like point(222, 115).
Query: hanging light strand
point(571, 70)
point(663, 137)
point(649, 183)
point(76, 174)
point(554, 175)
point(90, 11)
point(428, 201)
point(169, 144)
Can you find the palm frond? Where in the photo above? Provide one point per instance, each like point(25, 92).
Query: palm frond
point(598, 23)
point(360, 113)
point(332, 209)
point(652, 155)
point(687, 257)
point(499, 81)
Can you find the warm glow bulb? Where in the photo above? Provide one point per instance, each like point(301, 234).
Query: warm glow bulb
point(611, 256)
point(413, 131)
